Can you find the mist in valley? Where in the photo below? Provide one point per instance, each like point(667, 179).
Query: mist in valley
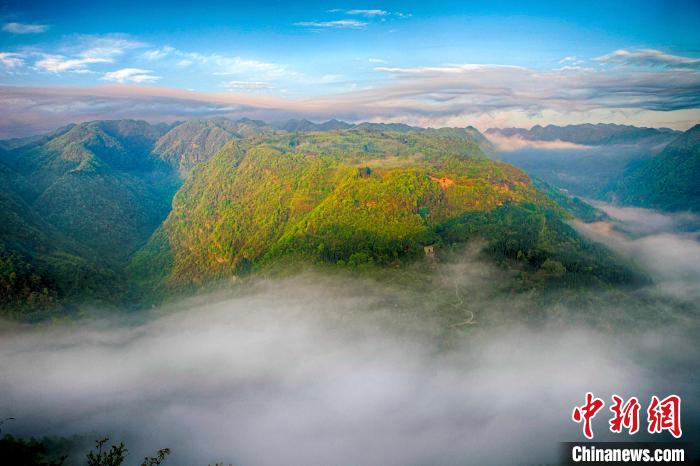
point(331, 369)
point(589, 171)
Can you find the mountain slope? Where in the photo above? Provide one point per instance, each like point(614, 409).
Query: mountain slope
point(668, 181)
point(195, 141)
point(356, 197)
point(36, 140)
point(75, 206)
point(98, 184)
point(40, 267)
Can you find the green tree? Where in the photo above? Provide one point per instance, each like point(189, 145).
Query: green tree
point(112, 457)
point(156, 460)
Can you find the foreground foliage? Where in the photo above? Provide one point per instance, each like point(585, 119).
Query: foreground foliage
point(60, 451)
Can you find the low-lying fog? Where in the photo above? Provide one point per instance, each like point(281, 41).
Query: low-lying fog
point(666, 245)
point(319, 370)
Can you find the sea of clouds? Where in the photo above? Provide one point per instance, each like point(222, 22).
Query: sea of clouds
point(318, 370)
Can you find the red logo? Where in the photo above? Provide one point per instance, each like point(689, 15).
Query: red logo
point(661, 415)
point(626, 415)
point(587, 412)
point(665, 415)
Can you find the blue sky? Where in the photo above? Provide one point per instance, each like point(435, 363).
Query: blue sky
point(430, 63)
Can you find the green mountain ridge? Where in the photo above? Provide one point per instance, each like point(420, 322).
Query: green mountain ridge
point(668, 181)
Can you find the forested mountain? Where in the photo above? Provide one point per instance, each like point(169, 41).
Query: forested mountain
point(590, 134)
point(76, 205)
point(358, 197)
point(79, 203)
point(669, 181)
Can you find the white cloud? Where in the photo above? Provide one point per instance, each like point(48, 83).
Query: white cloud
point(458, 69)
point(11, 60)
point(481, 88)
point(108, 47)
point(377, 60)
point(238, 66)
point(248, 70)
point(649, 58)
point(157, 54)
point(373, 13)
point(329, 78)
point(368, 13)
point(571, 61)
point(247, 85)
point(511, 143)
point(134, 75)
point(21, 28)
point(337, 24)
point(60, 63)
point(99, 50)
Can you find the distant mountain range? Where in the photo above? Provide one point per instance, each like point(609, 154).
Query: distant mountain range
point(98, 212)
point(590, 134)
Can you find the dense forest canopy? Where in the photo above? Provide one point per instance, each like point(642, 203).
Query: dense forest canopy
point(125, 212)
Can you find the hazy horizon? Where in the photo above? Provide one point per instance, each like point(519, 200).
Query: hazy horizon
point(502, 143)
